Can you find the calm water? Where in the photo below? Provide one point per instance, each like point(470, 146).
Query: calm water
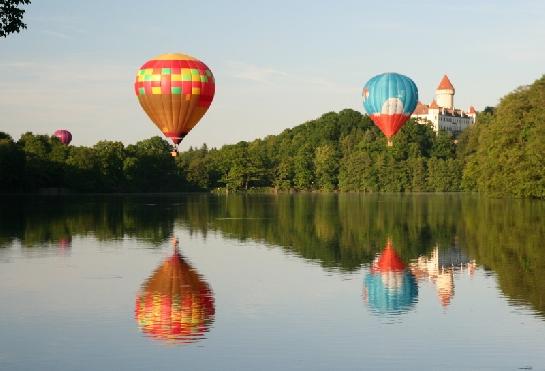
point(309, 282)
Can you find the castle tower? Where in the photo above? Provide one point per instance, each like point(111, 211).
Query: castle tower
point(444, 94)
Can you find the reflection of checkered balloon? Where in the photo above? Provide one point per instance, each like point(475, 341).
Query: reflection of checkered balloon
point(175, 304)
point(175, 90)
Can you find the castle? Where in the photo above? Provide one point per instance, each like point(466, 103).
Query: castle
point(441, 112)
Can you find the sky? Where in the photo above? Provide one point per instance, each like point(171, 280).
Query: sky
point(276, 64)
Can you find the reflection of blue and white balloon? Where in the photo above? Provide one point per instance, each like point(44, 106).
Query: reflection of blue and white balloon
point(391, 292)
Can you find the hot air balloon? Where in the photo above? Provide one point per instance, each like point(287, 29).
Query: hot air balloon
point(64, 136)
point(390, 99)
point(389, 287)
point(175, 90)
point(175, 304)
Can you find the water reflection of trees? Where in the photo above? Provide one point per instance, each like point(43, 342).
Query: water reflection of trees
point(508, 238)
point(36, 221)
point(342, 231)
point(347, 230)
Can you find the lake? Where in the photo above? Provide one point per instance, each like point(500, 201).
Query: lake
point(264, 282)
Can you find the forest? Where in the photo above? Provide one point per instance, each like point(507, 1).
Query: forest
point(501, 155)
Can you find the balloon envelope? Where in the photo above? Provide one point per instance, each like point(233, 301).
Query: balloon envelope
point(390, 99)
point(175, 304)
point(175, 90)
point(64, 136)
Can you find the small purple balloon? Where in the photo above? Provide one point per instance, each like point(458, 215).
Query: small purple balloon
point(64, 136)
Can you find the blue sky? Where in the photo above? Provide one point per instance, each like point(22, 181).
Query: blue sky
point(276, 64)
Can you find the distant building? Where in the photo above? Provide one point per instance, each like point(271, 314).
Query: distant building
point(441, 112)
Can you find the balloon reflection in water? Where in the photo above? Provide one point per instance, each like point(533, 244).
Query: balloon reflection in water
point(389, 287)
point(175, 304)
point(65, 243)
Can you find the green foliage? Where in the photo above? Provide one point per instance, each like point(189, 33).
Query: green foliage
point(149, 167)
point(326, 164)
point(44, 161)
point(303, 177)
point(11, 16)
point(505, 155)
point(418, 170)
point(443, 146)
point(83, 169)
point(111, 158)
point(12, 164)
point(283, 178)
point(444, 175)
point(413, 140)
point(357, 173)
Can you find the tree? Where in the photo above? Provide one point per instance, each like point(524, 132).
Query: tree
point(41, 169)
point(303, 178)
point(357, 173)
point(111, 156)
point(83, 170)
point(511, 151)
point(444, 175)
point(11, 16)
point(418, 172)
point(443, 146)
point(12, 164)
point(413, 140)
point(197, 173)
point(149, 167)
point(326, 164)
point(393, 175)
point(283, 178)
point(234, 179)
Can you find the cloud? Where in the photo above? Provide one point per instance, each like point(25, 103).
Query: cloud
point(58, 34)
point(275, 77)
point(17, 64)
point(60, 27)
point(255, 73)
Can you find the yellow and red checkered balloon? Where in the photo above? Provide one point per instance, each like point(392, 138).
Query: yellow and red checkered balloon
point(175, 90)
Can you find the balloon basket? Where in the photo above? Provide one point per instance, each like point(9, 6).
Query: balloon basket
point(390, 143)
point(174, 153)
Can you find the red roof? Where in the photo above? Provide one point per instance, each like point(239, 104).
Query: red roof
point(434, 104)
point(445, 84)
point(421, 109)
point(472, 109)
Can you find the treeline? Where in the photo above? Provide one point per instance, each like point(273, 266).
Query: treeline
point(505, 153)
point(339, 151)
point(502, 154)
